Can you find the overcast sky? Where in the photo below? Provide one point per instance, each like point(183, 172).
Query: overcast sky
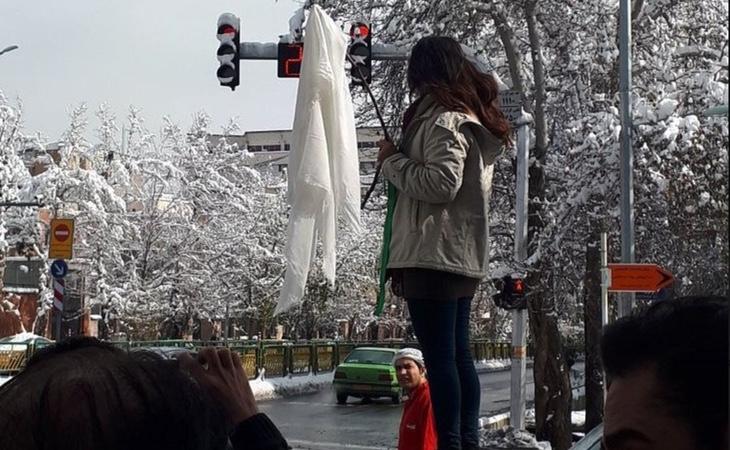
point(158, 55)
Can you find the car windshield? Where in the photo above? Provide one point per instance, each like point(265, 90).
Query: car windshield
point(370, 357)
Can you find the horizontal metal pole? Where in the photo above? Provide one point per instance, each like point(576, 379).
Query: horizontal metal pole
point(268, 51)
point(257, 50)
point(20, 204)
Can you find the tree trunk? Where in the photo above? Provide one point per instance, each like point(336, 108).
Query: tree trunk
point(551, 371)
point(592, 331)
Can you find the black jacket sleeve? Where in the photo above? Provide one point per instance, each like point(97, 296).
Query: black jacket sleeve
point(257, 432)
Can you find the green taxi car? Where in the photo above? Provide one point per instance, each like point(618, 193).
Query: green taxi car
point(367, 372)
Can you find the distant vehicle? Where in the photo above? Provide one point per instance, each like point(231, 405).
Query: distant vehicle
point(165, 352)
point(591, 441)
point(24, 339)
point(14, 350)
point(367, 373)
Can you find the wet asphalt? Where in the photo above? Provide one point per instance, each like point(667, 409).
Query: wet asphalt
point(317, 422)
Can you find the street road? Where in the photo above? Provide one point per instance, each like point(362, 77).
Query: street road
point(316, 422)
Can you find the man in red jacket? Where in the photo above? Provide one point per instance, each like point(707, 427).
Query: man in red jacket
point(417, 428)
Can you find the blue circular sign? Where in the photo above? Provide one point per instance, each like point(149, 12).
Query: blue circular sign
point(59, 268)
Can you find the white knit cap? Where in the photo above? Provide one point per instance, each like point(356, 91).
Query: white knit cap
point(410, 353)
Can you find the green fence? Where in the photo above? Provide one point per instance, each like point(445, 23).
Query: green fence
point(274, 358)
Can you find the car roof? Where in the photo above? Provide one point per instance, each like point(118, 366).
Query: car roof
point(165, 352)
point(389, 350)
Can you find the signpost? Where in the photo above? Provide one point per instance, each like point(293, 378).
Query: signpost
point(59, 268)
point(631, 278)
point(638, 278)
point(58, 293)
point(62, 239)
point(512, 108)
point(511, 105)
point(61, 247)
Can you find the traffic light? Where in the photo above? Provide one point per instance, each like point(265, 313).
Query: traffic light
point(229, 35)
point(360, 54)
point(513, 293)
point(289, 57)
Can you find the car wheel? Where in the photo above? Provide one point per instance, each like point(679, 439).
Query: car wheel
point(396, 399)
point(341, 399)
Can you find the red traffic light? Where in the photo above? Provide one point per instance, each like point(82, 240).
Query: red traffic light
point(229, 25)
point(226, 32)
point(519, 287)
point(359, 30)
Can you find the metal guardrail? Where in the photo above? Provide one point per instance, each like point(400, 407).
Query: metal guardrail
point(274, 358)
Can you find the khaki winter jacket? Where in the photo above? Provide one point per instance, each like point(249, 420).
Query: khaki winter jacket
point(444, 177)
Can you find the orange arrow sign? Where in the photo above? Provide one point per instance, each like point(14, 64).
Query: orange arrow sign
point(638, 278)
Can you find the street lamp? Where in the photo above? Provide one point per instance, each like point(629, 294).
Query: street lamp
point(8, 49)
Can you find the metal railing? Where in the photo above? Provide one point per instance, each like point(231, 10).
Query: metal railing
point(273, 358)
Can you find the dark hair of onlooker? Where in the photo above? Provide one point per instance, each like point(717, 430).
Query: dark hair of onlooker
point(685, 342)
point(437, 66)
point(85, 394)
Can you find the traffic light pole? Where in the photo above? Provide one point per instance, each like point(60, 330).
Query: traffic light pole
point(268, 51)
point(519, 316)
point(626, 299)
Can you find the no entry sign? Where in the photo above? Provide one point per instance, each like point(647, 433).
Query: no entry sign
point(62, 239)
point(61, 233)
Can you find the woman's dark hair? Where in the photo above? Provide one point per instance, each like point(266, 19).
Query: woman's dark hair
point(83, 394)
point(438, 67)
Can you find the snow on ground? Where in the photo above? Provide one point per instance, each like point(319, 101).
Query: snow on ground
point(578, 418)
point(265, 389)
point(510, 438)
point(493, 364)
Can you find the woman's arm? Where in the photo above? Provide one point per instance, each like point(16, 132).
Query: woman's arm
point(437, 179)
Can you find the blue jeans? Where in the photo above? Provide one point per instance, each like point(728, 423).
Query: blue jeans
point(442, 329)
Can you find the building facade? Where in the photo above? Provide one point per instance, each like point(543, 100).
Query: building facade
point(270, 148)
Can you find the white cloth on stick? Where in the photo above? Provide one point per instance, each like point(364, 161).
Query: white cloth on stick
point(324, 175)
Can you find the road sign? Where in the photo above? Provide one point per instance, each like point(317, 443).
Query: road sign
point(59, 268)
point(58, 292)
point(511, 104)
point(62, 239)
point(638, 278)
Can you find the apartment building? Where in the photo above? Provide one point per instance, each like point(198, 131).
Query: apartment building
point(270, 148)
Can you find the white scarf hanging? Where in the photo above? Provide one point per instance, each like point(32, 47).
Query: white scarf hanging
point(324, 175)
